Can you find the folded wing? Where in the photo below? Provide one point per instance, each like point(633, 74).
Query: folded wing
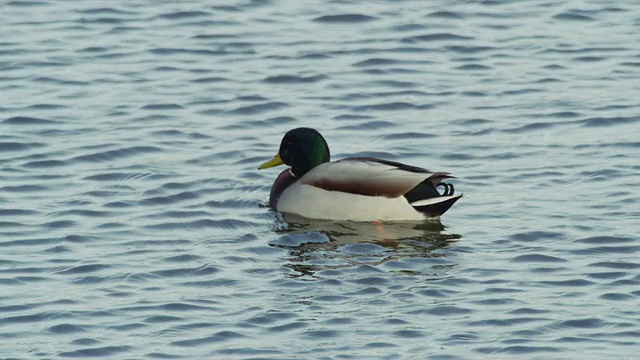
point(375, 177)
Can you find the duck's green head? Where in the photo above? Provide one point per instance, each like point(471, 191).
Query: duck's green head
point(302, 149)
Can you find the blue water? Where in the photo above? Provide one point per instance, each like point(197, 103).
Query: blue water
point(133, 221)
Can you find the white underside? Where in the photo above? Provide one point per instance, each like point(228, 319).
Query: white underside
point(334, 205)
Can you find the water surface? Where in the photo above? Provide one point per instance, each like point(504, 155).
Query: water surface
point(133, 221)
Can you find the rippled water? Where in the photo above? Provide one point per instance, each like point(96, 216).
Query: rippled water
point(133, 221)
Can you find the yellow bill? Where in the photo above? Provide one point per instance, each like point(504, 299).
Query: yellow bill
point(271, 163)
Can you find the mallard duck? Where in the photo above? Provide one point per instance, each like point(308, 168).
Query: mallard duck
point(356, 188)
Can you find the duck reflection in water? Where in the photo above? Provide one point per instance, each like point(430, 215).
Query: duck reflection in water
point(317, 245)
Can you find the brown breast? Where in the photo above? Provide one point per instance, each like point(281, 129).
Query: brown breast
point(279, 186)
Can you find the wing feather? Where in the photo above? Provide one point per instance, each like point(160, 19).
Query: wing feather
point(368, 176)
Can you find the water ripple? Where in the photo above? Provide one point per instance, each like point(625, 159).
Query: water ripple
point(26, 120)
point(344, 18)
